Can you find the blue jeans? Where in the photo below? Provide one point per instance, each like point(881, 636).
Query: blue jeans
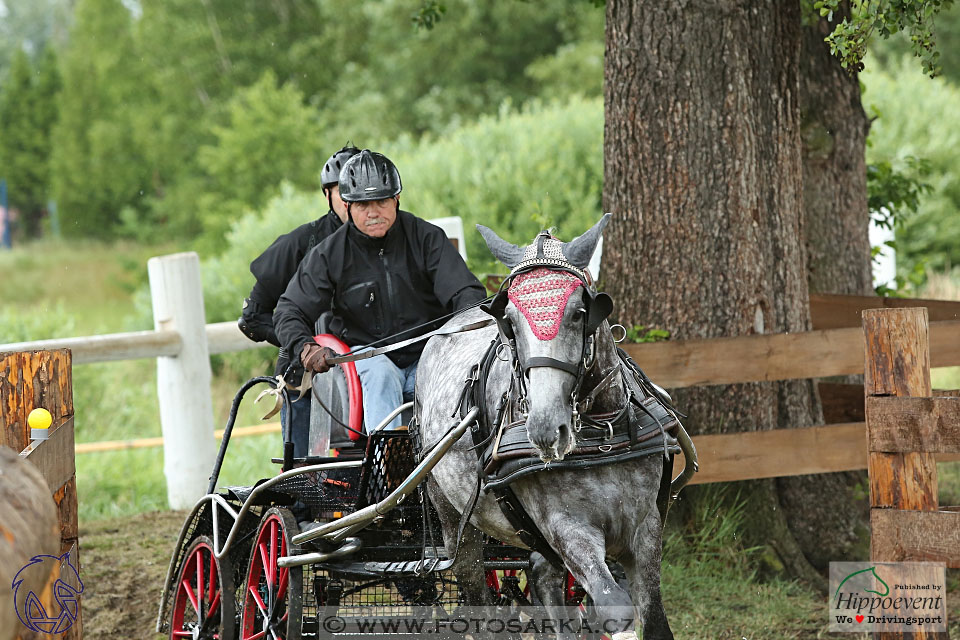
point(300, 414)
point(385, 387)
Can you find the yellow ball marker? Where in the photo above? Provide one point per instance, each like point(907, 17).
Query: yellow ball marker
point(39, 421)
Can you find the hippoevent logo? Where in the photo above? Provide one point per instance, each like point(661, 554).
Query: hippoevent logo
point(887, 596)
point(60, 587)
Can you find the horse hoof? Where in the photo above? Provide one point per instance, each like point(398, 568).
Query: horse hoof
point(625, 635)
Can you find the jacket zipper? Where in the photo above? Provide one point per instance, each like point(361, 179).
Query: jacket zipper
point(386, 270)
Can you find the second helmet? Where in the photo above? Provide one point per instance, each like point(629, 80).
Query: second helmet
point(369, 176)
point(330, 174)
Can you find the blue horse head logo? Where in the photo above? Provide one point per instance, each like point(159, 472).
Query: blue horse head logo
point(66, 593)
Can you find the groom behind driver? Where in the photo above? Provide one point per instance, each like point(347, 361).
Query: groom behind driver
point(383, 272)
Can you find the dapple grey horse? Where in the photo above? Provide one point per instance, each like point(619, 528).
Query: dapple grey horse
point(587, 516)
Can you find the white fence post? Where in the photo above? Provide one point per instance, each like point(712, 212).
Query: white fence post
point(183, 381)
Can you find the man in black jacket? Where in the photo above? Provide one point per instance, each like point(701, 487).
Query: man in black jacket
point(384, 272)
point(274, 268)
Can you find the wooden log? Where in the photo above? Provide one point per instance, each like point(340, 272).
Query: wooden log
point(897, 363)
point(929, 425)
point(54, 457)
point(29, 380)
point(920, 536)
point(12, 425)
point(839, 312)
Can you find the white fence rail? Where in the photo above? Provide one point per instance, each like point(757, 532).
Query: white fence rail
point(182, 344)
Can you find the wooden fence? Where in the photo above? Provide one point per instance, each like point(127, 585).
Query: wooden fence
point(29, 380)
point(182, 343)
point(907, 426)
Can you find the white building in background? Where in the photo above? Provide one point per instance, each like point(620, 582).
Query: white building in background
point(885, 265)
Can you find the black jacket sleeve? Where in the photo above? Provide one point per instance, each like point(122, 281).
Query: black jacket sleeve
point(256, 319)
point(308, 294)
point(453, 283)
point(272, 269)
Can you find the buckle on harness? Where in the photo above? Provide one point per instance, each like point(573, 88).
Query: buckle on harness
point(609, 425)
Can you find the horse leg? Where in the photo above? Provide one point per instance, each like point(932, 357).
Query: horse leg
point(548, 584)
point(468, 566)
point(583, 549)
point(642, 565)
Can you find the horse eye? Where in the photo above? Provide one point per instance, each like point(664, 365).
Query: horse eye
point(581, 311)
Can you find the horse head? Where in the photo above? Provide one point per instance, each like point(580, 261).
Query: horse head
point(548, 312)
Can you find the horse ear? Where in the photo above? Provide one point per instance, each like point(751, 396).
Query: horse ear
point(497, 307)
point(507, 253)
point(579, 250)
point(600, 306)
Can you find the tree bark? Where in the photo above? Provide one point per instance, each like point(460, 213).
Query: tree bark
point(703, 172)
point(833, 129)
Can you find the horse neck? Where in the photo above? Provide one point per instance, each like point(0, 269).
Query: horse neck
point(613, 397)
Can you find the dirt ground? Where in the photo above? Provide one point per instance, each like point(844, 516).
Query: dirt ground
point(123, 564)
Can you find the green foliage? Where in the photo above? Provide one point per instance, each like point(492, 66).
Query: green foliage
point(848, 41)
point(31, 26)
point(164, 105)
point(519, 177)
point(639, 334)
point(429, 14)
point(97, 167)
point(575, 68)
point(908, 103)
point(270, 136)
point(889, 51)
point(893, 194)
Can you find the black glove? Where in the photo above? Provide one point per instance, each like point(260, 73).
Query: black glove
point(314, 357)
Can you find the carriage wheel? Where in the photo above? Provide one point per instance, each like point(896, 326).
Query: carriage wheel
point(272, 602)
point(204, 605)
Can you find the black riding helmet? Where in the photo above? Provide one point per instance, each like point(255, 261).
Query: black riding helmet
point(330, 174)
point(369, 176)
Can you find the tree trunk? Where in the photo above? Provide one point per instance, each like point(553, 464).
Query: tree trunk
point(703, 172)
point(834, 130)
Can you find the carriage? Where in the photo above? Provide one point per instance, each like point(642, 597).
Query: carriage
point(242, 567)
point(372, 547)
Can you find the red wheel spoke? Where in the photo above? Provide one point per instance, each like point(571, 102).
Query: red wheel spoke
point(183, 634)
point(284, 578)
point(213, 578)
point(255, 636)
point(273, 551)
point(214, 603)
point(200, 583)
point(259, 601)
point(185, 585)
point(264, 562)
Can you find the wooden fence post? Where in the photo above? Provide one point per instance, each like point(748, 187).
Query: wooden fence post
point(183, 381)
point(30, 380)
point(897, 364)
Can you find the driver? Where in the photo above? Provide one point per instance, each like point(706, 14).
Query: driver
point(384, 272)
point(273, 269)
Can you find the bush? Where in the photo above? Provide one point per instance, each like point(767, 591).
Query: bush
point(517, 173)
point(914, 113)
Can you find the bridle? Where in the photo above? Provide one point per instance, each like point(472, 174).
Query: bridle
point(597, 306)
